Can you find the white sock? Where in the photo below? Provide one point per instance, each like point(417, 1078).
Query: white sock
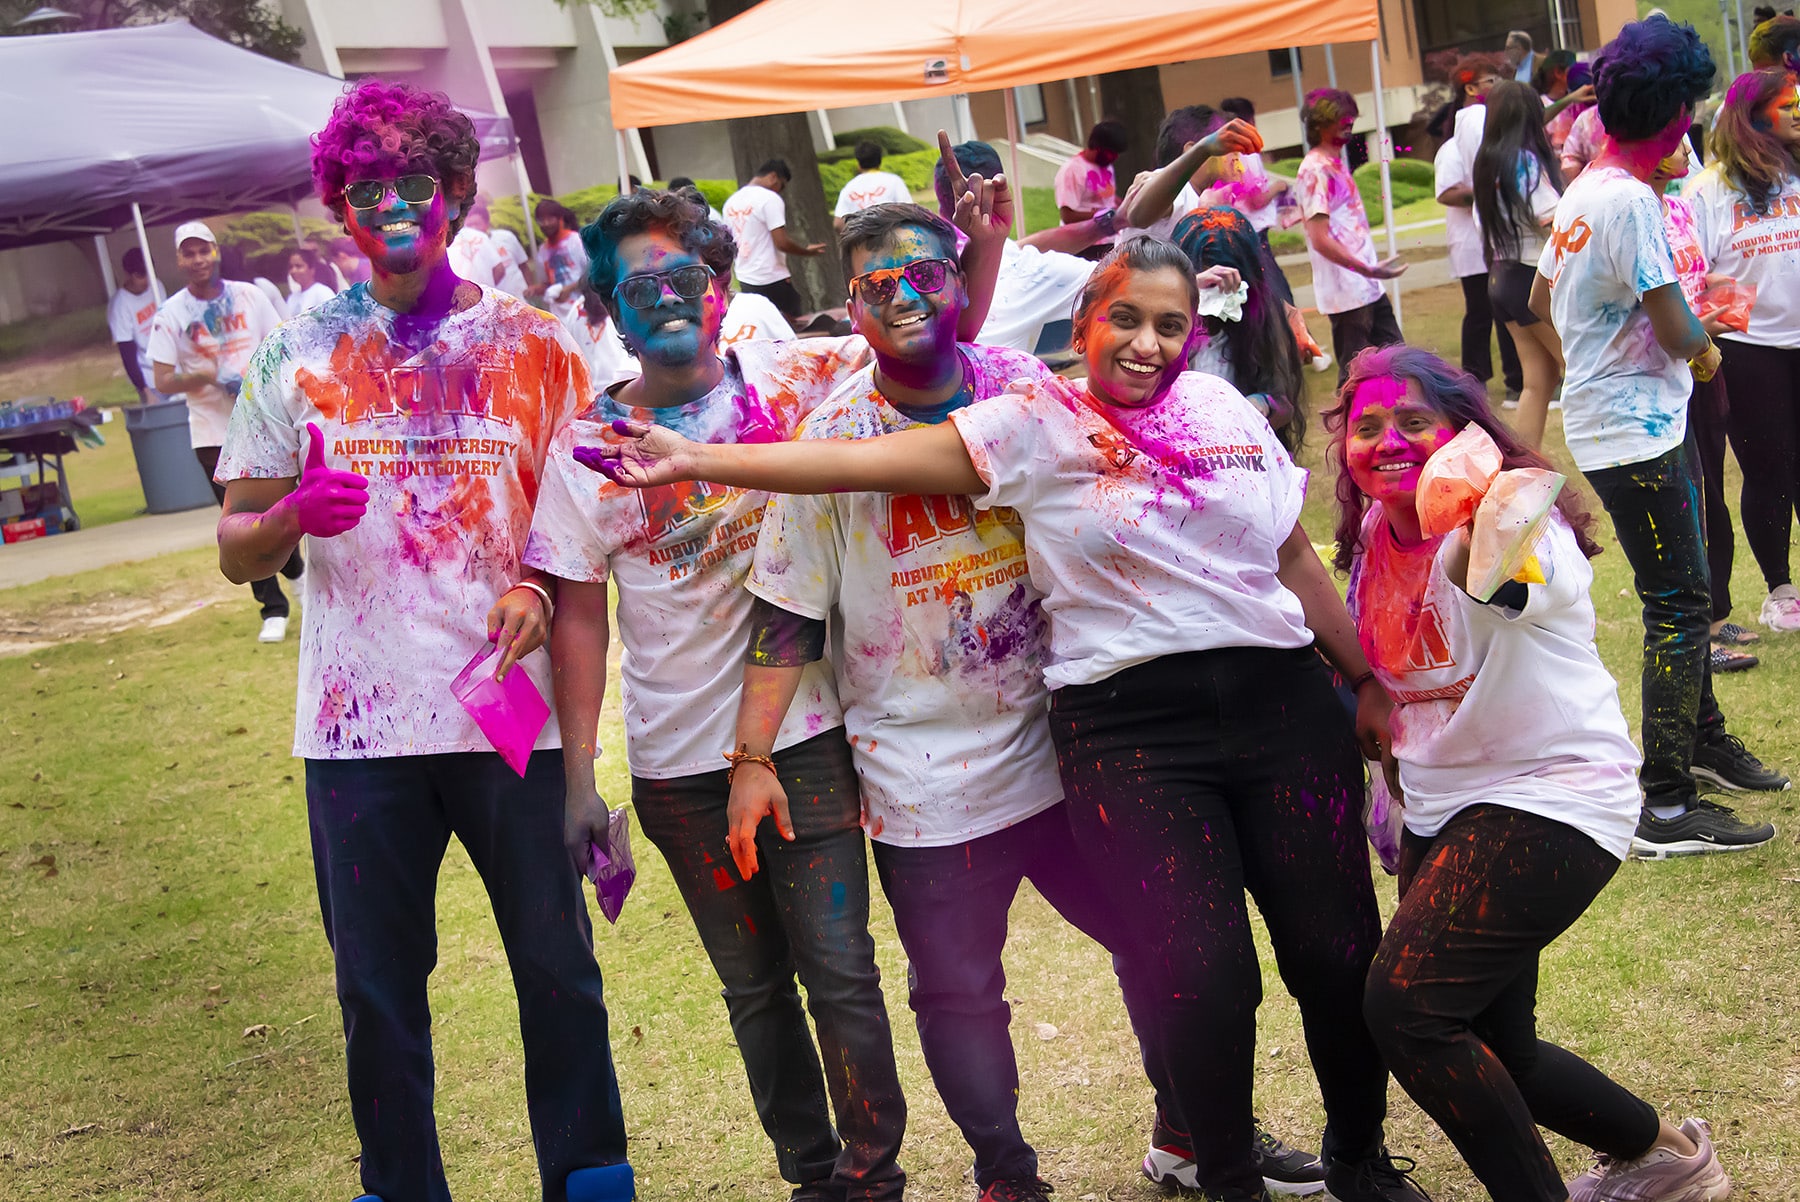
point(1666, 812)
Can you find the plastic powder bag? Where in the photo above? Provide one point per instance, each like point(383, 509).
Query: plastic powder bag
point(1729, 302)
point(1382, 819)
point(1454, 479)
point(1507, 526)
point(611, 867)
point(510, 712)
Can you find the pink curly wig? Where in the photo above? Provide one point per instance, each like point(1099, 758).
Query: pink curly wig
point(379, 127)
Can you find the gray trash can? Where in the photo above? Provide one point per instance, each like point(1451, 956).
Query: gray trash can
point(172, 478)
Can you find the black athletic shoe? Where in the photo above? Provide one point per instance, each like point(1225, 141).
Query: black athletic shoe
point(1285, 1170)
point(1017, 1189)
point(1705, 828)
point(1723, 761)
point(818, 1191)
point(1378, 1178)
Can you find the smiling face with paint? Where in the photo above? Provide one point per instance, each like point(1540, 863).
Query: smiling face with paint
point(676, 330)
point(915, 324)
point(1390, 431)
point(400, 237)
point(1135, 325)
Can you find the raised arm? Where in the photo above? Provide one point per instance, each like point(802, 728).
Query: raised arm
point(1152, 197)
point(984, 211)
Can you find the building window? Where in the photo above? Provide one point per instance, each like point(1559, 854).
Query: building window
point(1454, 25)
point(1281, 65)
point(1030, 101)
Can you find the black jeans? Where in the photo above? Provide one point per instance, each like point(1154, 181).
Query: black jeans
point(1765, 433)
point(379, 830)
point(1708, 413)
point(1655, 508)
point(1452, 998)
point(785, 296)
point(1190, 779)
point(805, 913)
point(1272, 269)
point(1355, 330)
point(267, 592)
point(950, 907)
point(1478, 326)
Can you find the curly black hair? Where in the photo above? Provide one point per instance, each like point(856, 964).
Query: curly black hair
point(1649, 75)
point(378, 127)
point(680, 215)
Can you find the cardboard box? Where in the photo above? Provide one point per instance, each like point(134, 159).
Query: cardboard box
point(19, 532)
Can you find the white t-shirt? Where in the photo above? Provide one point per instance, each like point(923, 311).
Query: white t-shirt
point(505, 244)
point(1469, 128)
point(473, 256)
point(1185, 202)
point(1324, 187)
point(1252, 177)
point(1149, 531)
point(308, 299)
point(1752, 249)
point(937, 633)
point(128, 318)
point(750, 316)
point(1495, 706)
point(1034, 287)
point(869, 188)
point(1462, 231)
point(221, 334)
point(1624, 397)
point(452, 438)
point(679, 555)
point(1541, 197)
point(1085, 186)
point(607, 358)
point(565, 263)
point(754, 213)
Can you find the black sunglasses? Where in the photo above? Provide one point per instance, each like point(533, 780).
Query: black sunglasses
point(925, 275)
point(644, 291)
point(369, 193)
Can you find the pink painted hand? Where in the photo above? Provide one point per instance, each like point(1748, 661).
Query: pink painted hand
point(326, 502)
point(648, 456)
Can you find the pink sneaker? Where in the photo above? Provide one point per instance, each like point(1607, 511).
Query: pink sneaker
point(1658, 1176)
point(1781, 609)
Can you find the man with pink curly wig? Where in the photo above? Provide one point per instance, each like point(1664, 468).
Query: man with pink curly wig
point(404, 426)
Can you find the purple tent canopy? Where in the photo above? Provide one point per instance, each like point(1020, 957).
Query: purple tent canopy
point(180, 122)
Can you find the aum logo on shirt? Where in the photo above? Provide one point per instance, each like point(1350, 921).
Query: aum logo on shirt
point(1567, 240)
point(915, 522)
point(448, 388)
point(1114, 446)
point(668, 508)
point(1742, 214)
point(1430, 649)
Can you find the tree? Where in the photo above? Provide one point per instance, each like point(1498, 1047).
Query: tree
point(1134, 98)
point(247, 23)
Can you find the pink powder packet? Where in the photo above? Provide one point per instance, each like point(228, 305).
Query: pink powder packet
point(611, 867)
point(1729, 302)
point(511, 713)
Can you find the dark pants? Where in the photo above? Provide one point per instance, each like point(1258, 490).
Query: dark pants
point(1477, 325)
point(1452, 998)
point(1655, 508)
point(379, 830)
point(267, 592)
point(1708, 412)
point(805, 913)
point(1355, 330)
point(950, 907)
point(1190, 779)
point(1765, 433)
point(1272, 269)
point(785, 296)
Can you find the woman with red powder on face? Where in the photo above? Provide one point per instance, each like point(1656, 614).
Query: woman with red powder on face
point(1520, 803)
point(1190, 710)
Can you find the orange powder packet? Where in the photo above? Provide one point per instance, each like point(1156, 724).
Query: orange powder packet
point(1454, 480)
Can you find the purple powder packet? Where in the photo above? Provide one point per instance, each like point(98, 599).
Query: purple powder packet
point(1382, 819)
point(611, 867)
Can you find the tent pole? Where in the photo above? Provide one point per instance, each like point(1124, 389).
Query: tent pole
point(965, 119)
point(106, 272)
point(1330, 68)
point(1012, 154)
point(1299, 90)
point(900, 118)
point(1385, 149)
point(624, 172)
point(525, 204)
point(294, 211)
point(825, 128)
point(1556, 14)
point(137, 218)
point(1093, 90)
point(1074, 112)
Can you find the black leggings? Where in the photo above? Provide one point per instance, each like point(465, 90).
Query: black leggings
point(1765, 433)
point(1708, 411)
point(1190, 779)
point(1478, 329)
point(1452, 998)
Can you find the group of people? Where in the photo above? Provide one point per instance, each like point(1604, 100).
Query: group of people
point(907, 594)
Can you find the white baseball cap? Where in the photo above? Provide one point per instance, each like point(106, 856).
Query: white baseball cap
point(194, 229)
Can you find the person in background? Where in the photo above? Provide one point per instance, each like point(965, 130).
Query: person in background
point(1347, 275)
point(560, 257)
point(351, 264)
point(1776, 43)
point(1516, 185)
point(757, 215)
point(1086, 184)
point(128, 318)
point(682, 183)
point(750, 317)
point(608, 359)
point(1256, 193)
point(1519, 56)
point(201, 341)
point(1607, 280)
point(487, 256)
point(869, 186)
point(1575, 98)
point(311, 281)
point(1582, 145)
point(233, 265)
point(1747, 217)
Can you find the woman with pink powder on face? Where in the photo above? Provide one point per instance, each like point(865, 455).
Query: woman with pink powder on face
point(1517, 812)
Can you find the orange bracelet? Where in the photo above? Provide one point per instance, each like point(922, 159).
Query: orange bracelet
point(743, 756)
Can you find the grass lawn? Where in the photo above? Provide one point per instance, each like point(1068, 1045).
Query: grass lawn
point(169, 1028)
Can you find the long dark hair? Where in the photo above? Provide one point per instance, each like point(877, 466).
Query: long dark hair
point(1513, 134)
point(1752, 159)
point(1462, 399)
point(1264, 356)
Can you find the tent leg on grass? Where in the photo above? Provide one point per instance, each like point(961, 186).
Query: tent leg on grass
point(1012, 154)
point(1299, 91)
point(1384, 148)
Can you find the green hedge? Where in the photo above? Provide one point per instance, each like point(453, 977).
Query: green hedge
point(1412, 178)
point(891, 141)
point(267, 237)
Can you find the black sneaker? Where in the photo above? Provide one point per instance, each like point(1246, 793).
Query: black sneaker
point(1017, 1189)
point(1723, 761)
point(818, 1191)
point(1378, 1178)
point(1706, 827)
point(1285, 1170)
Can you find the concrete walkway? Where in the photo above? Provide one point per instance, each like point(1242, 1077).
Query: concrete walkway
point(104, 546)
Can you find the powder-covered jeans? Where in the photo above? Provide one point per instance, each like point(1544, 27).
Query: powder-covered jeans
point(379, 830)
point(1656, 511)
point(805, 913)
point(1452, 998)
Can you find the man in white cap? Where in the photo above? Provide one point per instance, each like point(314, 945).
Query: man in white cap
point(200, 342)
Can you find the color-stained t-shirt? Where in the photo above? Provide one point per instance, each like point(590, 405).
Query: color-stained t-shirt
point(220, 334)
point(1323, 187)
point(938, 635)
point(754, 213)
point(1754, 248)
point(565, 264)
point(679, 554)
point(128, 318)
point(451, 427)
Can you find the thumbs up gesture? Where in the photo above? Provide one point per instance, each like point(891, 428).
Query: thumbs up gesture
point(326, 502)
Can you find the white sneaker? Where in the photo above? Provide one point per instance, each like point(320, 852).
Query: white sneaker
point(1659, 1175)
point(1781, 609)
point(1321, 361)
point(273, 630)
